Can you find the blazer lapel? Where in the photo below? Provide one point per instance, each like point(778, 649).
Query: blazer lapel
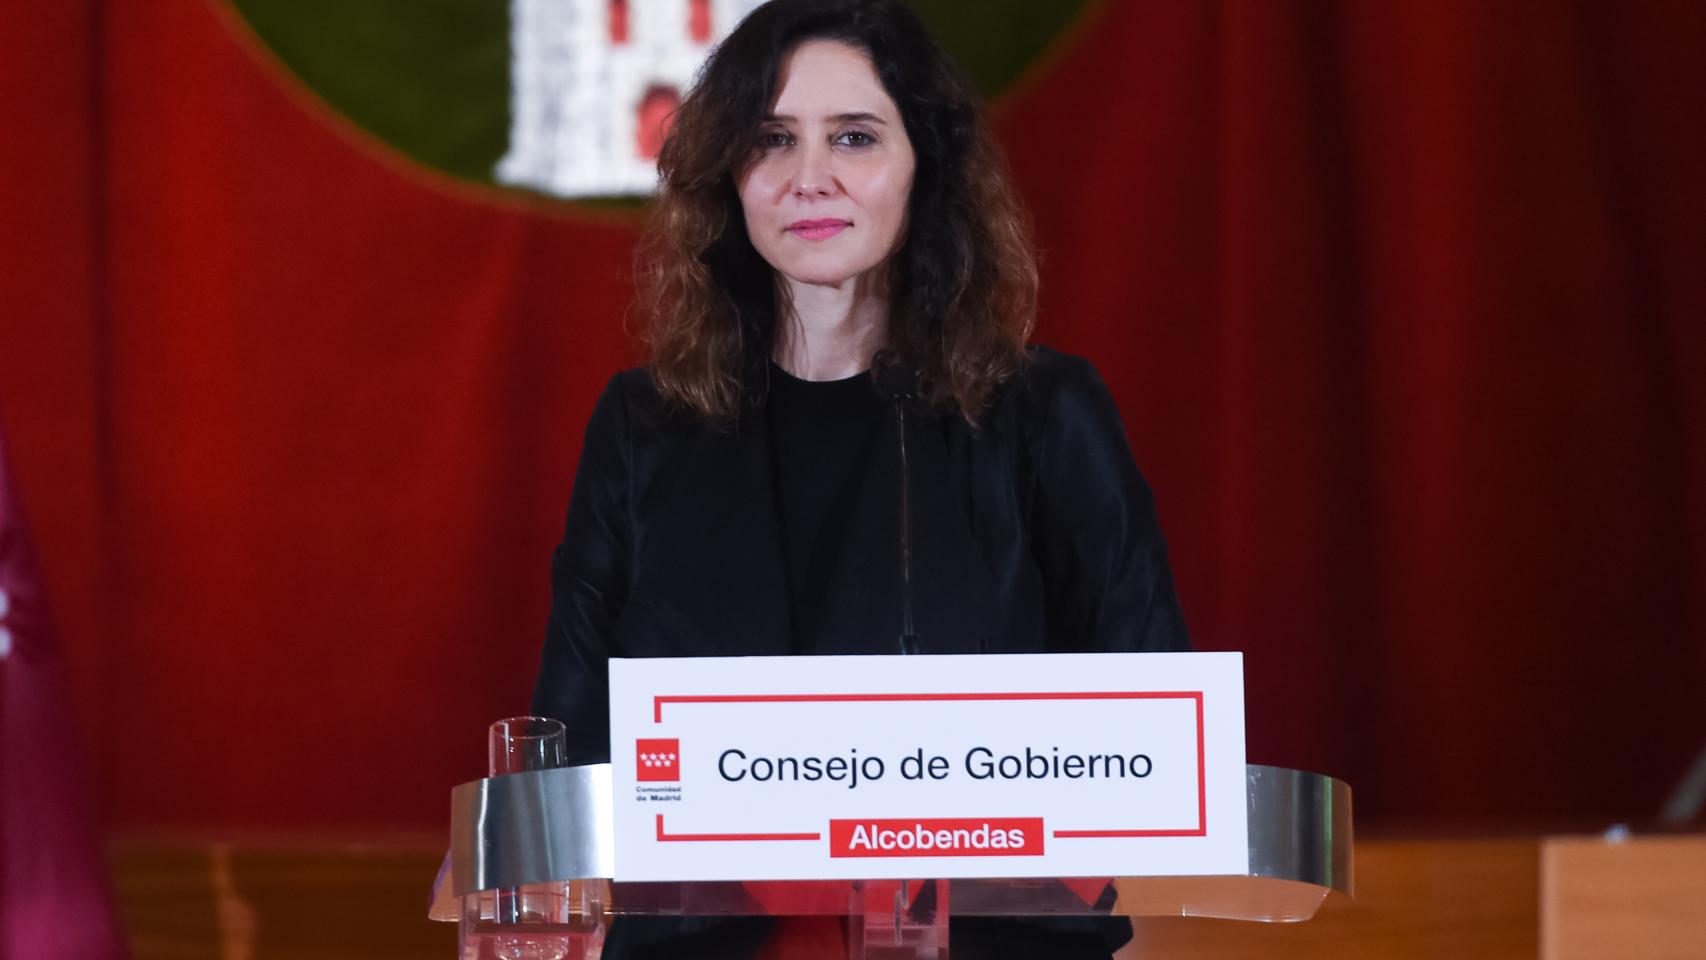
point(712, 563)
point(954, 597)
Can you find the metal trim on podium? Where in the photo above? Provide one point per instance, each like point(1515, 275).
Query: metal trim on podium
point(540, 826)
point(553, 826)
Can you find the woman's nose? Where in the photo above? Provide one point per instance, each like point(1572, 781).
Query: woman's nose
point(812, 174)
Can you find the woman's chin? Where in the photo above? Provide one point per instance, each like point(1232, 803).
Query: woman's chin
point(834, 280)
point(817, 275)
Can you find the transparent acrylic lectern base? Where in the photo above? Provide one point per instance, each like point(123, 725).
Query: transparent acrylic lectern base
point(535, 921)
point(887, 919)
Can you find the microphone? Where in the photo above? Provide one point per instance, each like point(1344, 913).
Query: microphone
point(898, 381)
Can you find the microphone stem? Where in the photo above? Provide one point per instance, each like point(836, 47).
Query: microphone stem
point(908, 639)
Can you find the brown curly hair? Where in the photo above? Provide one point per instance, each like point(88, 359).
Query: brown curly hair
point(962, 286)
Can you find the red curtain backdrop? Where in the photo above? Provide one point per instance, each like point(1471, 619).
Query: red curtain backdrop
point(1402, 303)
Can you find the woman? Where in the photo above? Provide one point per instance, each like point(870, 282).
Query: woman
point(841, 443)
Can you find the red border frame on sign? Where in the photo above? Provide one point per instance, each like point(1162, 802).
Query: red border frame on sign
point(1201, 829)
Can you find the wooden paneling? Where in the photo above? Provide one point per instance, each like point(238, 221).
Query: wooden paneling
point(189, 901)
point(1639, 899)
point(271, 901)
point(1437, 900)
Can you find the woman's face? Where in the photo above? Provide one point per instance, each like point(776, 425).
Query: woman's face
point(825, 194)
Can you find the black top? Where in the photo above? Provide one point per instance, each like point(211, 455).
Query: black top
point(836, 463)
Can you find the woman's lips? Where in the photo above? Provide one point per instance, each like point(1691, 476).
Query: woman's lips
point(817, 229)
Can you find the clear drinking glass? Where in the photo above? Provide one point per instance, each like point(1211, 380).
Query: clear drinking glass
point(519, 744)
point(538, 911)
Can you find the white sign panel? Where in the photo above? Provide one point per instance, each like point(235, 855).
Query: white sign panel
point(1040, 765)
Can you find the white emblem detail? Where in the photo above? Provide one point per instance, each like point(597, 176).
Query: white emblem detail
point(592, 80)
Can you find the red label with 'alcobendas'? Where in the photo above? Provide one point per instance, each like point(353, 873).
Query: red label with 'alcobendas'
point(955, 837)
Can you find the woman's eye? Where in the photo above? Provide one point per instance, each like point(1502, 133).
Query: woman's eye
point(856, 138)
point(771, 139)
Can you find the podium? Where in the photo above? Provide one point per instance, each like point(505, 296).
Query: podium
point(532, 857)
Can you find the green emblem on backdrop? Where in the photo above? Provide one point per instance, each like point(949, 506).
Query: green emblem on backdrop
point(431, 77)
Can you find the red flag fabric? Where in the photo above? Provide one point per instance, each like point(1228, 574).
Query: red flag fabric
point(55, 903)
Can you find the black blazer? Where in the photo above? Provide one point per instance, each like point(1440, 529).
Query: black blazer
point(1033, 533)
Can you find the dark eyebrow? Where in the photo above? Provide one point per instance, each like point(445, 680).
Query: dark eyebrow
point(838, 118)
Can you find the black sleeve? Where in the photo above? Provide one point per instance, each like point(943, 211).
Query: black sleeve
point(1103, 558)
point(1094, 525)
point(589, 585)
